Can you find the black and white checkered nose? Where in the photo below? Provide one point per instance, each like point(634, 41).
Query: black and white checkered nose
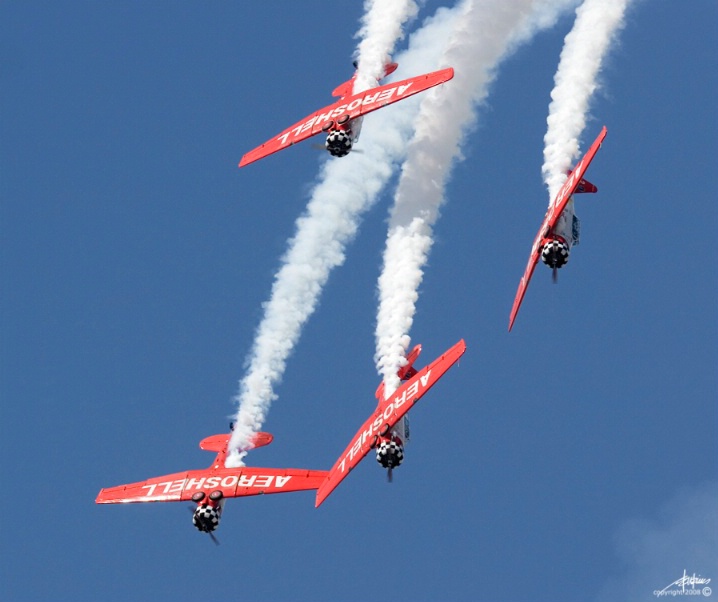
point(339, 143)
point(555, 253)
point(206, 518)
point(389, 454)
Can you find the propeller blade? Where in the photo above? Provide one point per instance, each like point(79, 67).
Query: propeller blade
point(390, 471)
point(554, 276)
point(318, 146)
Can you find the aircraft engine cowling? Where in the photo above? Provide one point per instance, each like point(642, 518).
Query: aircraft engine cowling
point(554, 253)
point(390, 453)
point(206, 517)
point(339, 143)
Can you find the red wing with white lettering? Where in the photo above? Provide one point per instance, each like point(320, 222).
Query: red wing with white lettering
point(339, 116)
point(574, 183)
point(386, 416)
point(232, 482)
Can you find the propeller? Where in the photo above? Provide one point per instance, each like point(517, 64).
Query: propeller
point(554, 276)
point(319, 146)
point(390, 470)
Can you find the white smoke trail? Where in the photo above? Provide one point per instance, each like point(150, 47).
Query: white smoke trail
point(597, 22)
point(486, 32)
point(382, 27)
point(347, 188)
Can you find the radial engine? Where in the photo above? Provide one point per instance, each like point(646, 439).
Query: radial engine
point(555, 252)
point(339, 143)
point(208, 512)
point(390, 452)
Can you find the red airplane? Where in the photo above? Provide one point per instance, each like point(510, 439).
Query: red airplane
point(210, 488)
point(342, 120)
point(386, 430)
point(560, 228)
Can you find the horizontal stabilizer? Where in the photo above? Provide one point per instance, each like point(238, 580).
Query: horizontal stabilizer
point(347, 88)
point(218, 443)
point(583, 185)
point(404, 373)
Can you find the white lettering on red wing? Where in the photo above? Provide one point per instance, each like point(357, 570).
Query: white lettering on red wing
point(263, 481)
point(323, 117)
point(151, 489)
point(308, 125)
point(176, 487)
point(366, 434)
point(180, 485)
point(388, 411)
point(247, 480)
point(354, 104)
point(403, 89)
point(369, 99)
point(229, 481)
point(167, 485)
point(195, 483)
point(386, 95)
point(339, 110)
point(355, 448)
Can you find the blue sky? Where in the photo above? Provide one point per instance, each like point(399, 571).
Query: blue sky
point(572, 459)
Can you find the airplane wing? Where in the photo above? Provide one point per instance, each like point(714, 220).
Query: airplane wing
point(525, 279)
point(386, 415)
point(232, 482)
point(570, 186)
point(353, 106)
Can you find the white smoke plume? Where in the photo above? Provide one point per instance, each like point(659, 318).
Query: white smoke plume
point(347, 188)
point(597, 22)
point(486, 32)
point(382, 27)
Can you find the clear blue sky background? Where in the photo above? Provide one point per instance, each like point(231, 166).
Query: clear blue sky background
point(574, 459)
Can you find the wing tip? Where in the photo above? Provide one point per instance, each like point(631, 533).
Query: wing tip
point(321, 496)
